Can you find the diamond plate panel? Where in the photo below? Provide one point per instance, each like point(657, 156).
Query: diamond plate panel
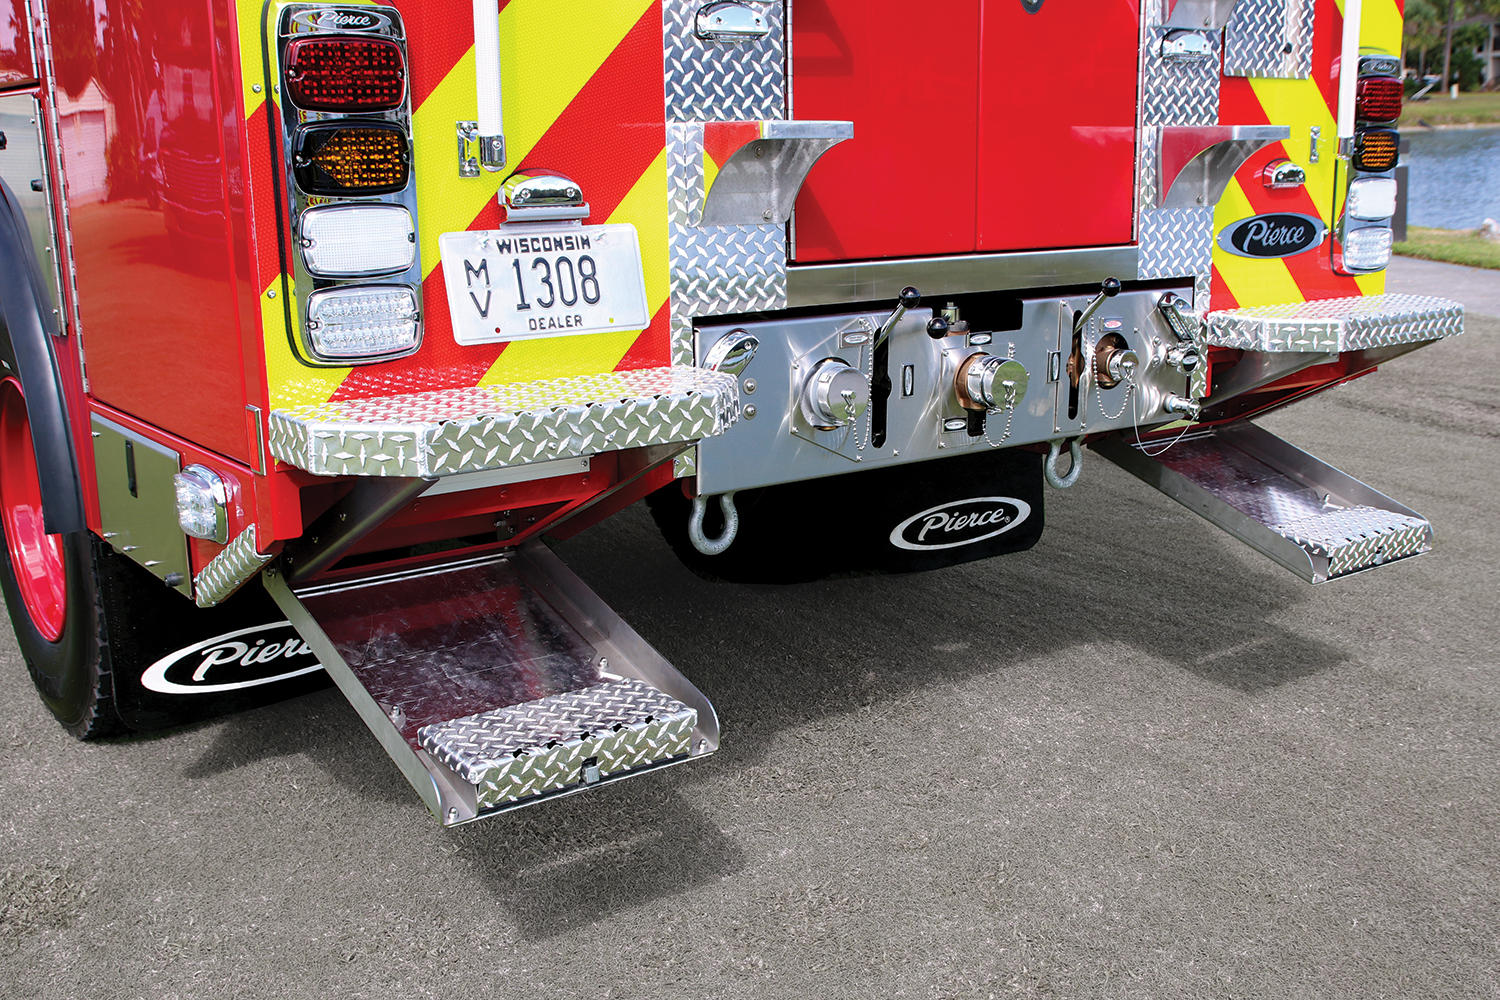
point(1355, 538)
point(1178, 242)
point(1333, 325)
point(228, 571)
point(540, 746)
point(1270, 38)
point(1179, 93)
point(489, 427)
point(723, 81)
point(715, 270)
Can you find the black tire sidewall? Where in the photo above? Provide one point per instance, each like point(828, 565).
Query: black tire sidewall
point(71, 674)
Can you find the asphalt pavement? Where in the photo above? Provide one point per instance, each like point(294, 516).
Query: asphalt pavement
point(1139, 760)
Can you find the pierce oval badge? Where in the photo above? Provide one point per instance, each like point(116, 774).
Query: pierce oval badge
point(960, 522)
point(250, 657)
point(1281, 234)
point(342, 20)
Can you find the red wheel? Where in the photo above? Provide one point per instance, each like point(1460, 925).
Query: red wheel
point(51, 585)
point(36, 558)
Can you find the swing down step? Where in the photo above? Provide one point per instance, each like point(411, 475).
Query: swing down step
point(499, 681)
point(1301, 512)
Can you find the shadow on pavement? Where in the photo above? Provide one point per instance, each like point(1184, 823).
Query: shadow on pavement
point(576, 861)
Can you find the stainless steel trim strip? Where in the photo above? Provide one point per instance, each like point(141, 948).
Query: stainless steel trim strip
point(877, 280)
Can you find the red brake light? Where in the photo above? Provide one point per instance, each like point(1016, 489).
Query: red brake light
point(1378, 99)
point(345, 74)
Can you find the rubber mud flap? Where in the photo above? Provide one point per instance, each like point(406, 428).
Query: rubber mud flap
point(176, 663)
point(893, 520)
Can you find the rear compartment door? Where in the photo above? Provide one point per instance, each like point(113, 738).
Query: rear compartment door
point(1057, 98)
point(979, 125)
point(907, 76)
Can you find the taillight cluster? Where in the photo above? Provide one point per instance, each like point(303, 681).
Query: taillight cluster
point(346, 132)
point(1364, 237)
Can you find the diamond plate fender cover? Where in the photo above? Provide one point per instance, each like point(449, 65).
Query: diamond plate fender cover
point(1330, 326)
point(526, 750)
point(489, 427)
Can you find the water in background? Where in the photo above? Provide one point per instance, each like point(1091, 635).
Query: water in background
point(1455, 177)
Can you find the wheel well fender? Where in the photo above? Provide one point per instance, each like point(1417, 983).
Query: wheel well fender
point(30, 329)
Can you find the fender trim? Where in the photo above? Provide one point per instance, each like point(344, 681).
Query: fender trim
point(30, 330)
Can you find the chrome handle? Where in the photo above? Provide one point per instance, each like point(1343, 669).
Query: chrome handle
point(731, 21)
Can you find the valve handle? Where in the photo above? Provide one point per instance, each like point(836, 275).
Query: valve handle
point(1108, 289)
point(909, 298)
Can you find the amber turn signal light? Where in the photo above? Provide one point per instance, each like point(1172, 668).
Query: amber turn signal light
point(352, 159)
point(1376, 150)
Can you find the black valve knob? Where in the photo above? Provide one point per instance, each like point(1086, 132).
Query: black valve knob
point(910, 298)
point(937, 328)
point(1110, 287)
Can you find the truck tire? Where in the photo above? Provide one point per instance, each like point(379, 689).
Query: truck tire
point(51, 588)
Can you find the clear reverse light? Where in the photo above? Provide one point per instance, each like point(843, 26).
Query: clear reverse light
point(357, 241)
point(1372, 198)
point(202, 503)
point(369, 322)
point(1367, 249)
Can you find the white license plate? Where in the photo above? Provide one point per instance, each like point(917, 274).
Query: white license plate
point(509, 285)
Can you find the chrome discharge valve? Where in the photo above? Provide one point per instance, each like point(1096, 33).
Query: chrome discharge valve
point(835, 395)
point(987, 382)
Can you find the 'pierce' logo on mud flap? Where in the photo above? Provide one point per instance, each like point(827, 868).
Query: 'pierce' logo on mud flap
point(262, 654)
point(1284, 234)
point(961, 522)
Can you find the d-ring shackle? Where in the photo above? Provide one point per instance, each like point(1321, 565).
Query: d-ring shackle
point(1049, 467)
point(713, 546)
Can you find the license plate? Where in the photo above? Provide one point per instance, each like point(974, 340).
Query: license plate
point(505, 285)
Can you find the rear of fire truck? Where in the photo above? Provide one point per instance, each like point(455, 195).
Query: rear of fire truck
point(320, 318)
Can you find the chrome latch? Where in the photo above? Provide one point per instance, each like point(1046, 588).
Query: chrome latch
point(731, 21)
point(468, 149)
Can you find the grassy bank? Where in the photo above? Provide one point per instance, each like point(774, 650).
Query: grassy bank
point(1474, 108)
point(1453, 246)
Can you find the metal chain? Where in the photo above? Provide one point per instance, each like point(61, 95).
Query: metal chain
point(853, 421)
point(1099, 394)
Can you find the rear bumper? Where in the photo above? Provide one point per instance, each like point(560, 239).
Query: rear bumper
point(1331, 326)
point(490, 427)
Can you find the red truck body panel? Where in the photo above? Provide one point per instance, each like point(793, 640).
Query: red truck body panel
point(142, 125)
point(1051, 164)
point(16, 65)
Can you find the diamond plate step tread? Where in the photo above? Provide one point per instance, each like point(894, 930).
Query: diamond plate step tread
point(1330, 326)
point(448, 431)
point(525, 750)
point(1354, 538)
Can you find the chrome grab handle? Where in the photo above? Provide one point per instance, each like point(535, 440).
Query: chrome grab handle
point(731, 21)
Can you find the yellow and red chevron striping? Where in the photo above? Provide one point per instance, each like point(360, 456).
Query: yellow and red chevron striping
point(1301, 104)
point(591, 107)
